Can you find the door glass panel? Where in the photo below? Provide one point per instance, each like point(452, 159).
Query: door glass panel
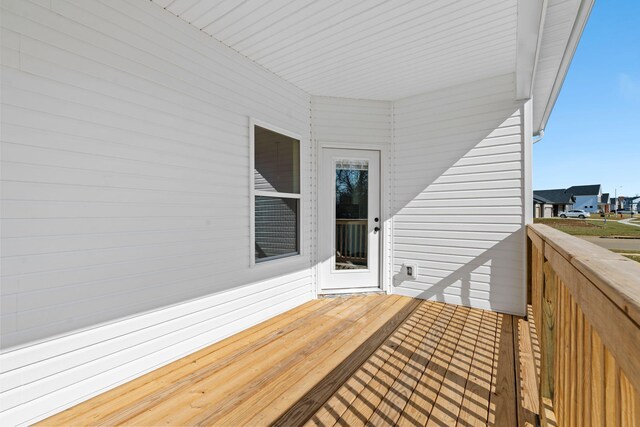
point(352, 191)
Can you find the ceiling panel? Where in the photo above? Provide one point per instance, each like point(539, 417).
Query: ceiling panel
point(373, 49)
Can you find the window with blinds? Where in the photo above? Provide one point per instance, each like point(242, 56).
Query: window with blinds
point(276, 195)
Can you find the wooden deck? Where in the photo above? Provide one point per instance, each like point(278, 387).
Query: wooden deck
point(381, 360)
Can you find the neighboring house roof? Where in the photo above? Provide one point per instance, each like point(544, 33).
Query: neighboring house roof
point(604, 198)
point(539, 199)
point(584, 190)
point(557, 196)
point(628, 201)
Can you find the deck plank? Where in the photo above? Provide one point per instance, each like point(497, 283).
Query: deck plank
point(422, 400)
point(526, 386)
point(475, 406)
point(365, 403)
point(503, 398)
point(449, 401)
point(376, 360)
point(419, 351)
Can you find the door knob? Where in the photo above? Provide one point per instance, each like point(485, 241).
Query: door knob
point(376, 229)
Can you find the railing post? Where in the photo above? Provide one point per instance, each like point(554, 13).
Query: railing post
point(529, 271)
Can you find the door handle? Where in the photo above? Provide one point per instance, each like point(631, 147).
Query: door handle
point(376, 229)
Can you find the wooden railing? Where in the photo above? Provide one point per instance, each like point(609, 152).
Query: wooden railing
point(351, 240)
point(586, 308)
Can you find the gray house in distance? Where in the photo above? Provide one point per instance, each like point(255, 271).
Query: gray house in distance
point(631, 204)
point(587, 197)
point(549, 203)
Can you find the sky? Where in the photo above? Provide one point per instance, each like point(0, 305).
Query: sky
point(593, 134)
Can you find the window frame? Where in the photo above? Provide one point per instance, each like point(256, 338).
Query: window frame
point(277, 259)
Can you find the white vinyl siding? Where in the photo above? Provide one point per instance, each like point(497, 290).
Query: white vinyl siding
point(458, 195)
point(587, 203)
point(125, 211)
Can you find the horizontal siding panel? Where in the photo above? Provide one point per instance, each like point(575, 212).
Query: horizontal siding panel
point(86, 176)
point(469, 260)
point(470, 210)
point(436, 187)
point(462, 202)
point(457, 226)
point(483, 169)
point(74, 226)
point(39, 191)
point(464, 194)
point(461, 176)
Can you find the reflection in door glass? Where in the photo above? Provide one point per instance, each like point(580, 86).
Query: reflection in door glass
point(352, 188)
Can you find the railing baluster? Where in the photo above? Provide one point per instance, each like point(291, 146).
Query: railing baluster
point(597, 375)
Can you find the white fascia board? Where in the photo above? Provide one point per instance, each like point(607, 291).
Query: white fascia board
point(576, 33)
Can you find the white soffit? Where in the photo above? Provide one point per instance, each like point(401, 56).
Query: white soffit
point(371, 49)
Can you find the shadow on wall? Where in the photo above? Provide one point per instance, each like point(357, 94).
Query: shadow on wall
point(471, 281)
point(458, 197)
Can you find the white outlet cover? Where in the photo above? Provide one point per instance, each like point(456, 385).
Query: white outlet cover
point(414, 272)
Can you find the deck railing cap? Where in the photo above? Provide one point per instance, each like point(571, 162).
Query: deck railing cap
point(616, 276)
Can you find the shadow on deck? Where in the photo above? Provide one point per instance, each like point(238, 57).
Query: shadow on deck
point(381, 360)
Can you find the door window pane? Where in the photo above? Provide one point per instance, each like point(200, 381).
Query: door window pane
point(352, 191)
point(276, 227)
point(277, 162)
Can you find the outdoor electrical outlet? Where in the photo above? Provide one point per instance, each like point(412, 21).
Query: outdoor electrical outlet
point(412, 270)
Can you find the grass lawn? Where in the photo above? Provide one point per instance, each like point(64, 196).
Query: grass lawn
point(580, 227)
point(633, 257)
point(625, 251)
point(631, 254)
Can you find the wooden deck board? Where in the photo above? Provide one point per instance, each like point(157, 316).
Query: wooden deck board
point(377, 360)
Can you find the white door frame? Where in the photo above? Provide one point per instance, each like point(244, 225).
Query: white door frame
point(385, 262)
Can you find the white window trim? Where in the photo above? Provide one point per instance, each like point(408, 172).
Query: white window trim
point(280, 259)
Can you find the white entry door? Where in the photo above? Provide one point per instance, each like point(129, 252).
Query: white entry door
point(349, 220)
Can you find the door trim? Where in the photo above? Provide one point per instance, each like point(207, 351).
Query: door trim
point(386, 219)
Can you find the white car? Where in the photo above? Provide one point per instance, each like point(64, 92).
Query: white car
point(575, 214)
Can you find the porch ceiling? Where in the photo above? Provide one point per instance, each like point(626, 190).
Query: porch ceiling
point(372, 49)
